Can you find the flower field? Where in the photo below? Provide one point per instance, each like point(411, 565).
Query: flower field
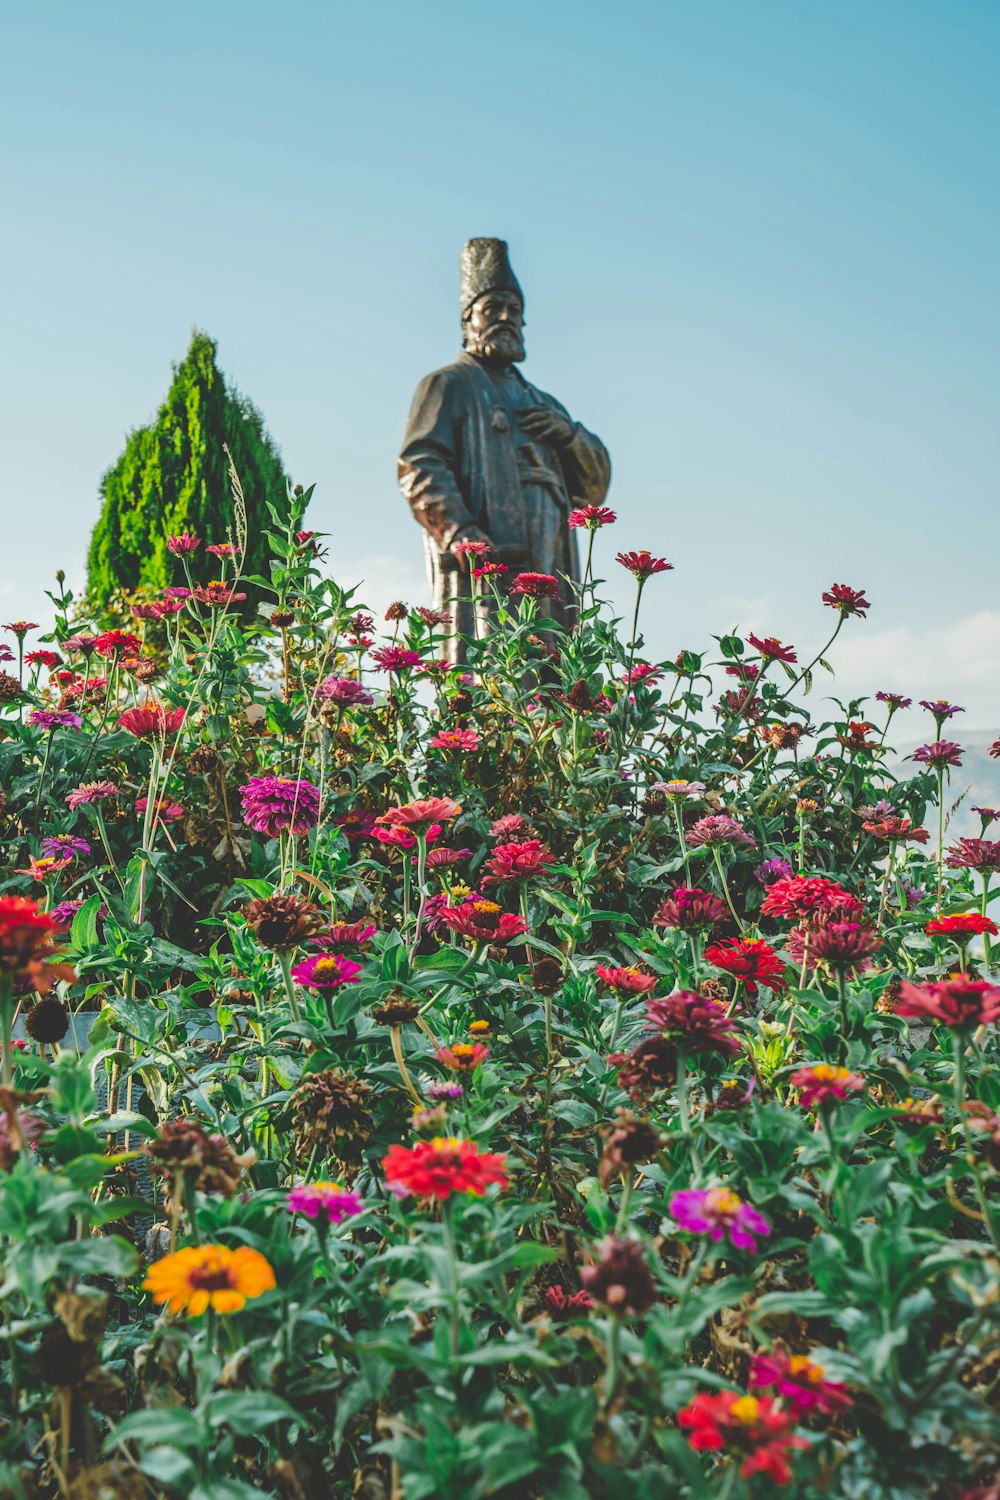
point(558, 1075)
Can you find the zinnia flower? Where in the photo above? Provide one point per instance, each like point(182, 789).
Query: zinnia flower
point(756, 1428)
point(846, 946)
point(455, 739)
point(691, 909)
point(483, 921)
point(627, 981)
point(166, 811)
point(718, 829)
point(396, 659)
point(771, 648)
point(218, 594)
point(64, 845)
point(48, 659)
point(694, 1021)
point(204, 1276)
point(329, 1199)
point(518, 860)
point(283, 921)
point(975, 854)
point(442, 1166)
point(847, 600)
point(894, 700)
point(277, 804)
point(961, 927)
point(940, 754)
point(489, 570)
point(92, 791)
point(323, 972)
point(345, 692)
point(419, 815)
point(896, 831)
point(54, 718)
point(719, 1213)
point(186, 542)
point(151, 719)
point(961, 1003)
point(803, 896)
point(592, 517)
point(20, 628)
point(751, 960)
point(463, 1057)
point(821, 1082)
point(800, 1381)
point(536, 586)
point(642, 565)
point(772, 870)
point(941, 708)
point(619, 1277)
point(26, 933)
point(117, 643)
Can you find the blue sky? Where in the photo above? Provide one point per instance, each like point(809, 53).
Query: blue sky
point(758, 239)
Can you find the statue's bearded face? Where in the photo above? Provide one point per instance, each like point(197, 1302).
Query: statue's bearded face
point(493, 329)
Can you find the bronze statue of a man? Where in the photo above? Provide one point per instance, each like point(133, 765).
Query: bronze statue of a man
point(487, 457)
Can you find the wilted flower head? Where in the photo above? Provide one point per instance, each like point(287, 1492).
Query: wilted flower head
point(283, 921)
point(184, 1148)
point(619, 1276)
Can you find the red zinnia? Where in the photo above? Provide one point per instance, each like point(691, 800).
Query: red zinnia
point(592, 516)
point(691, 909)
point(152, 719)
point(847, 600)
point(961, 1003)
point(490, 570)
point(975, 854)
point(751, 960)
point(186, 542)
point(693, 1021)
point(759, 1429)
point(627, 981)
point(463, 1057)
point(803, 896)
point(771, 648)
point(396, 658)
point(896, 831)
point(483, 921)
point(117, 642)
point(442, 1166)
point(536, 586)
point(642, 565)
point(962, 926)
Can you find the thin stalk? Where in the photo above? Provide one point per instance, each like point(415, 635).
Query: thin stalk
point(717, 856)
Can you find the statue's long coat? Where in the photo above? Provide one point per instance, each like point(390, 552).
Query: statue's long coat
point(459, 467)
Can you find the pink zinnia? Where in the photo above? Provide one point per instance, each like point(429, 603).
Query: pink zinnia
point(64, 846)
point(719, 1213)
point(421, 814)
point(329, 1199)
point(276, 804)
point(92, 791)
point(345, 692)
point(518, 860)
point(961, 1003)
point(799, 1381)
point(592, 517)
point(151, 719)
point(184, 543)
point(821, 1082)
point(718, 828)
point(627, 981)
point(940, 754)
point(54, 718)
point(691, 909)
point(694, 1021)
point(396, 659)
point(326, 971)
point(455, 739)
point(801, 896)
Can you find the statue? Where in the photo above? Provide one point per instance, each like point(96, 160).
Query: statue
point(489, 458)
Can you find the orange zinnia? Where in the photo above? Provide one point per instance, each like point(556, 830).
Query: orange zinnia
point(204, 1276)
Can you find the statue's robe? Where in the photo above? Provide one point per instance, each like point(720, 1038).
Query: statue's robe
point(467, 462)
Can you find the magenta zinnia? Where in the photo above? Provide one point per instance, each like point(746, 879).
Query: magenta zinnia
point(720, 1214)
point(326, 1200)
point(326, 971)
point(273, 805)
point(822, 1081)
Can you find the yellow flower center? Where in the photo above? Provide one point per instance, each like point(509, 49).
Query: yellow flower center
point(328, 1187)
point(723, 1201)
point(326, 967)
point(479, 1028)
point(827, 1073)
point(746, 1410)
point(805, 1369)
point(486, 907)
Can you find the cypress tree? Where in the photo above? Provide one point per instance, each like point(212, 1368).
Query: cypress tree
point(173, 476)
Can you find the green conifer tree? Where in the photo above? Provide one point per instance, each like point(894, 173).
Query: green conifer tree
point(173, 476)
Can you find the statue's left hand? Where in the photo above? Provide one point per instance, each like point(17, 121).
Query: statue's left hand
point(548, 425)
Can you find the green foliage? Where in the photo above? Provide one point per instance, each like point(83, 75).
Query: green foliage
point(173, 477)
